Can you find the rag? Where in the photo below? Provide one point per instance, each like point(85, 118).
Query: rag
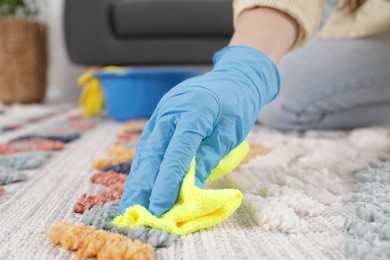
point(91, 100)
point(195, 208)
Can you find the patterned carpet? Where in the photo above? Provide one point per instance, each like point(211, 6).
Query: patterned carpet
point(295, 197)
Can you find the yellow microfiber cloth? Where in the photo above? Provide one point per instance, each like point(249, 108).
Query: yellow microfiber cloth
point(195, 208)
point(91, 100)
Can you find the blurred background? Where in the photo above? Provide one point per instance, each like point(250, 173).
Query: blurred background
point(83, 34)
point(62, 73)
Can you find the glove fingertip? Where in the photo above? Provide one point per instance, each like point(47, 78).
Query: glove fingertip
point(122, 207)
point(162, 200)
point(158, 211)
point(131, 197)
point(199, 183)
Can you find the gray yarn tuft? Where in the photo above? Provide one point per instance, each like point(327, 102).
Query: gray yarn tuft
point(100, 217)
point(11, 164)
point(24, 161)
point(370, 225)
point(8, 176)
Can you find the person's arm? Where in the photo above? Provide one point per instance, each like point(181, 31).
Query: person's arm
point(268, 30)
point(306, 13)
point(207, 116)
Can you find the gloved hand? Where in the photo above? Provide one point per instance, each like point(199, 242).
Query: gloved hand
point(206, 117)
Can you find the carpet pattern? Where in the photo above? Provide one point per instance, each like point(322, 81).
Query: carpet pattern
point(295, 197)
point(19, 116)
point(91, 243)
point(101, 217)
point(370, 223)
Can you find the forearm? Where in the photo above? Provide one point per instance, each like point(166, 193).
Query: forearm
point(268, 30)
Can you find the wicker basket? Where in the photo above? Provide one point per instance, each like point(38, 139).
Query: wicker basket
point(23, 61)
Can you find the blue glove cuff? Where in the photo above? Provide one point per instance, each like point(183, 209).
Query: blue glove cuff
point(258, 69)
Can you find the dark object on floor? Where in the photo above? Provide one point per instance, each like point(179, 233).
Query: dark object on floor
point(130, 32)
point(59, 138)
point(119, 168)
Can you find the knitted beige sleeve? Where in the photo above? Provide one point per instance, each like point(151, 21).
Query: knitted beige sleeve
point(307, 13)
point(372, 17)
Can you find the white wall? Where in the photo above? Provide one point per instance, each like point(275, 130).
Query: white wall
point(62, 75)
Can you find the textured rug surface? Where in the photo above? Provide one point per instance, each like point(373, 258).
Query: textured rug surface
point(370, 221)
point(295, 198)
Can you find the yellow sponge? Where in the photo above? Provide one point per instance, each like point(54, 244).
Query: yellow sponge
point(195, 208)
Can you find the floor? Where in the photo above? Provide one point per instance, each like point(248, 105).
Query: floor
point(294, 198)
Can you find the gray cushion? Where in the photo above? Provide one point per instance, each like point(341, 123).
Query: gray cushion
point(172, 18)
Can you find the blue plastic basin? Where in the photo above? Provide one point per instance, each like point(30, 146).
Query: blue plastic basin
point(134, 93)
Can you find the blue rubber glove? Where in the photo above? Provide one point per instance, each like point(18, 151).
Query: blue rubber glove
point(206, 116)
